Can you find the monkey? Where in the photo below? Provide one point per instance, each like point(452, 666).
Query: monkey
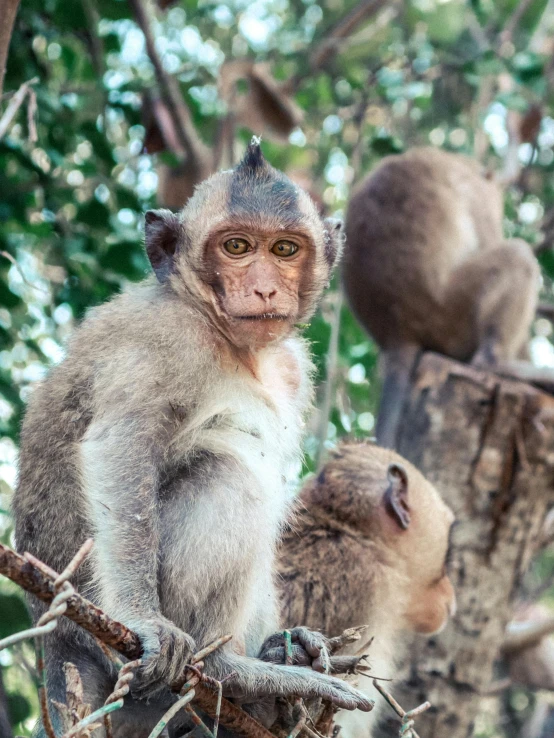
point(368, 543)
point(171, 434)
point(426, 268)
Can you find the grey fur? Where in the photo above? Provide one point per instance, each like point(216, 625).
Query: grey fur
point(173, 451)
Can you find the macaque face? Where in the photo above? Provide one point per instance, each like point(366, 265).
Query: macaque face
point(433, 600)
point(257, 278)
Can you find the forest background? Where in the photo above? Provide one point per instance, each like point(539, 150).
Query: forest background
point(111, 107)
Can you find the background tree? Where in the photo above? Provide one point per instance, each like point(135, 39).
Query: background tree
point(109, 105)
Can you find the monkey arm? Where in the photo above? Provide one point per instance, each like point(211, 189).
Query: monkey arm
point(120, 478)
point(121, 458)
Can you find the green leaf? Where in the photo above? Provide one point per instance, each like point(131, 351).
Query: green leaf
point(14, 615)
point(126, 258)
point(7, 298)
point(19, 708)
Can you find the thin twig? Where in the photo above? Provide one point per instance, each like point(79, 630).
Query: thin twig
point(199, 723)
point(218, 708)
point(173, 710)
point(301, 722)
point(42, 692)
point(75, 563)
point(98, 715)
point(13, 106)
point(350, 635)
point(210, 648)
point(10, 258)
point(29, 633)
point(406, 729)
point(120, 690)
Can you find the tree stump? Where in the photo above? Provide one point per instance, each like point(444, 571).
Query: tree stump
point(487, 443)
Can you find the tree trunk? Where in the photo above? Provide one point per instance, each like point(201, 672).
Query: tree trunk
point(488, 445)
point(8, 10)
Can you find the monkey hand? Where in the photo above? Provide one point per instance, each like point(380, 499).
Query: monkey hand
point(309, 648)
point(265, 679)
point(166, 652)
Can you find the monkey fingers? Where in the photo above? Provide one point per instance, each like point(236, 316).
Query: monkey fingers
point(327, 688)
point(277, 655)
point(309, 648)
point(315, 644)
point(167, 649)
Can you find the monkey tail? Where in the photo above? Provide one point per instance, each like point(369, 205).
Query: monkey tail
point(397, 367)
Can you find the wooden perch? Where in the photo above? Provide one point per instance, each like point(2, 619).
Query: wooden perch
point(118, 636)
point(487, 444)
point(37, 578)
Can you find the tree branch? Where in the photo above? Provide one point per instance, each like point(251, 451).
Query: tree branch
point(329, 46)
point(197, 152)
point(40, 582)
point(15, 103)
point(8, 11)
point(526, 635)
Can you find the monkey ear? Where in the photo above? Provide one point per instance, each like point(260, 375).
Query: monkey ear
point(334, 239)
point(162, 229)
point(396, 496)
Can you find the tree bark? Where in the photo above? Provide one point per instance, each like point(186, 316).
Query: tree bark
point(487, 443)
point(8, 10)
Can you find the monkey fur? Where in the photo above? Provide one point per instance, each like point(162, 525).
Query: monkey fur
point(368, 543)
point(426, 268)
point(171, 433)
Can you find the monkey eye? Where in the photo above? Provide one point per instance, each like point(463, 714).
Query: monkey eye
point(284, 248)
point(236, 246)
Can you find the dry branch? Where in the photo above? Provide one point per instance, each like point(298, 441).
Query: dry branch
point(407, 716)
point(39, 580)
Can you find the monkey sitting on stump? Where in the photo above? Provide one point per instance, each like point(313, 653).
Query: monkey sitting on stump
point(426, 268)
point(170, 433)
point(369, 544)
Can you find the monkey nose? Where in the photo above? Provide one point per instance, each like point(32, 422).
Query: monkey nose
point(265, 294)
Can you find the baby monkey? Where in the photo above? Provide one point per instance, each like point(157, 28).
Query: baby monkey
point(171, 433)
point(427, 268)
point(369, 544)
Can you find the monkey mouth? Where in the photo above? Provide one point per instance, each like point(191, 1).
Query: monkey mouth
point(262, 316)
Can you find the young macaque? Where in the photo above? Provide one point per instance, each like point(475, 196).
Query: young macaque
point(426, 268)
point(170, 433)
point(369, 544)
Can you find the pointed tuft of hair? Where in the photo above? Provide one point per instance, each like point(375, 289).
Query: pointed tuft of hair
point(253, 158)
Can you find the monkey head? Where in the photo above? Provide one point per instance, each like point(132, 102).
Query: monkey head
point(250, 249)
point(388, 502)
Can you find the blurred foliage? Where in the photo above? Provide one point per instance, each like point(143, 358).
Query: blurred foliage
point(461, 75)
